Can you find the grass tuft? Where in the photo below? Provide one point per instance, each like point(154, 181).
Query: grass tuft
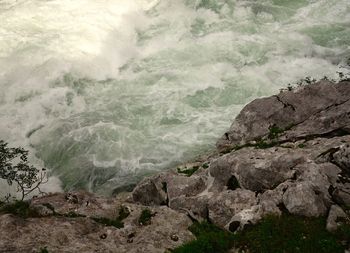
point(117, 222)
point(145, 217)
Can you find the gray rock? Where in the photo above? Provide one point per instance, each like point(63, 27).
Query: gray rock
point(256, 169)
point(342, 157)
point(187, 186)
point(267, 171)
point(341, 194)
point(331, 121)
point(271, 200)
point(151, 191)
point(245, 217)
point(302, 199)
point(228, 203)
point(196, 207)
point(324, 106)
point(335, 217)
point(83, 234)
point(315, 175)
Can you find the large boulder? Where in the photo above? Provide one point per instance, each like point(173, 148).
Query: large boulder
point(256, 169)
point(303, 199)
point(318, 108)
point(228, 203)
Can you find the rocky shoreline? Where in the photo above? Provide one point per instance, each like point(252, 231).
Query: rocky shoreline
point(285, 153)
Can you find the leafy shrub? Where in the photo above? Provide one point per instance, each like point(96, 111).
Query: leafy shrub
point(14, 168)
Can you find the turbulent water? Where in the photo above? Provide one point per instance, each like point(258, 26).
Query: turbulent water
point(104, 92)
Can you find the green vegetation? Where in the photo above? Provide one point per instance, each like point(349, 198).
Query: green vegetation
point(188, 172)
point(210, 239)
point(205, 165)
point(285, 234)
point(271, 140)
point(109, 222)
point(301, 145)
point(14, 168)
point(117, 222)
point(19, 208)
point(123, 213)
point(145, 217)
point(274, 132)
point(289, 234)
point(72, 215)
point(43, 250)
point(233, 183)
point(263, 144)
point(23, 209)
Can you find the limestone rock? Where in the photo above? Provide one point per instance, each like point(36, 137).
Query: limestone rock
point(324, 107)
point(267, 171)
point(196, 207)
point(228, 203)
point(183, 185)
point(315, 175)
point(335, 216)
point(150, 191)
point(245, 217)
point(271, 200)
point(60, 233)
point(302, 199)
point(342, 157)
point(256, 169)
point(341, 194)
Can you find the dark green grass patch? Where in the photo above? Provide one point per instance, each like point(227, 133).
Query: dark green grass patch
point(117, 222)
point(188, 172)
point(289, 234)
point(19, 208)
point(109, 222)
point(210, 239)
point(145, 217)
point(285, 234)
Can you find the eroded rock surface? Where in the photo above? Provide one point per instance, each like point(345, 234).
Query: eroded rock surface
point(73, 229)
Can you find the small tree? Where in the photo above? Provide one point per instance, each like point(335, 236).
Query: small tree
point(14, 168)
